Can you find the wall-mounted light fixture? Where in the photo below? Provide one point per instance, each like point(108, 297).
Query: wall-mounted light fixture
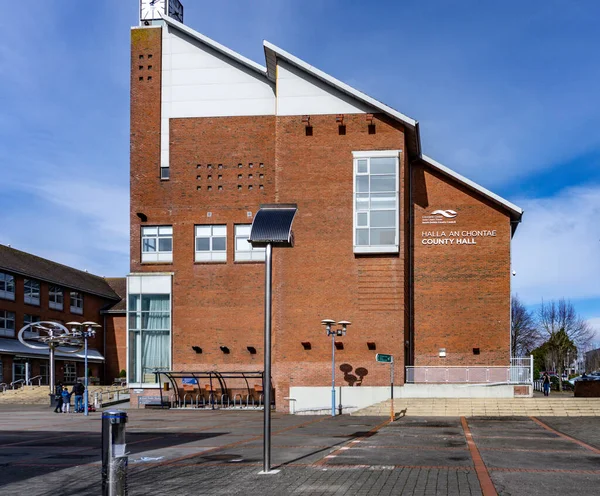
point(197, 349)
point(143, 217)
point(225, 350)
point(251, 350)
point(339, 345)
point(442, 353)
point(306, 345)
point(371, 345)
point(476, 351)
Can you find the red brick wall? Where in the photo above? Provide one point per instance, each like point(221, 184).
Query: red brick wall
point(218, 304)
point(462, 292)
point(92, 305)
point(321, 277)
point(115, 327)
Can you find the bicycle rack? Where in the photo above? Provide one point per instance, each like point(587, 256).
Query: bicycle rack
point(223, 396)
point(241, 400)
point(261, 400)
point(248, 398)
point(200, 396)
point(14, 383)
point(38, 377)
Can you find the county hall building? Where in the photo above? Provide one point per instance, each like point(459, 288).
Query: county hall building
point(416, 256)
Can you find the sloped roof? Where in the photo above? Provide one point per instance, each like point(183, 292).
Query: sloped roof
point(28, 265)
point(119, 286)
point(413, 136)
point(515, 212)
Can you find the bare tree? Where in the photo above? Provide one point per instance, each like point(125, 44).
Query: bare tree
point(524, 335)
point(564, 330)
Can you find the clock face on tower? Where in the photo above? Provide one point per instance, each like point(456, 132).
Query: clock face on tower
point(176, 10)
point(151, 9)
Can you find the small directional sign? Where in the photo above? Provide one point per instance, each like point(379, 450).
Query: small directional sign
point(380, 357)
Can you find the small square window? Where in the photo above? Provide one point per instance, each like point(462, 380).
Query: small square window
point(211, 243)
point(157, 244)
point(244, 251)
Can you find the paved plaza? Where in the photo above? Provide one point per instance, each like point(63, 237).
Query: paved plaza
point(210, 452)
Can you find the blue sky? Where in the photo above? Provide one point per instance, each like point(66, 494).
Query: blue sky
point(506, 94)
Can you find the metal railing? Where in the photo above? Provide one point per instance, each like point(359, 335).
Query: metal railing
point(31, 379)
point(108, 395)
point(468, 375)
point(15, 384)
point(520, 371)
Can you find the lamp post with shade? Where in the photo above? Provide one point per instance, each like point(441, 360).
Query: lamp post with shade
point(84, 330)
point(333, 333)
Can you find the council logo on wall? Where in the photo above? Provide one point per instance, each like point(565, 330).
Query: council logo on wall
point(440, 217)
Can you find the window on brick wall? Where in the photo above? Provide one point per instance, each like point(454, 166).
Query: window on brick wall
point(244, 251)
point(55, 297)
point(211, 243)
point(7, 286)
point(149, 336)
point(28, 319)
point(376, 201)
point(76, 302)
point(32, 292)
point(7, 323)
point(157, 244)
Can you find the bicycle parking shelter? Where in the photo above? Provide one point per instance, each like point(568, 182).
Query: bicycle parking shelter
point(216, 381)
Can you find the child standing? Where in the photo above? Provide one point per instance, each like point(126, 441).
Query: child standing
point(66, 397)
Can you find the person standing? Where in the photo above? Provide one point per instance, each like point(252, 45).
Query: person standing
point(78, 391)
point(58, 397)
point(546, 384)
point(66, 397)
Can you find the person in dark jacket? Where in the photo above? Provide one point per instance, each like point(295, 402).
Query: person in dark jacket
point(78, 390)
point(58, 397)
point(546, 384)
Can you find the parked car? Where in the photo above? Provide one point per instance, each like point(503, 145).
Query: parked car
point(593, 376)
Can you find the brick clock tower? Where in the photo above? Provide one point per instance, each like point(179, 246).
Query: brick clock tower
point(416, 256)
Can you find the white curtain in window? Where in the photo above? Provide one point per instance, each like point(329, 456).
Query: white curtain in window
point(155, 334)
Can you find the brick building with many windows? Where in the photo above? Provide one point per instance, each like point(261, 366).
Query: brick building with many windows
point(33, 289)
point(416, 256)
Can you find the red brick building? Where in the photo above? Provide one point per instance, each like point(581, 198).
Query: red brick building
point(416, 256)
point(33, 289)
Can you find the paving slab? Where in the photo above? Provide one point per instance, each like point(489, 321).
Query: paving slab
point(209, 452)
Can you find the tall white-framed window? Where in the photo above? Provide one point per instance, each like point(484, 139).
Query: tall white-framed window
point(149, 336)
point(32, 292)
point(7, 323)
point(7, 286)
point(76, 302)
point(157, 244)
point(244, 251)
point(376, 201)
point(55, 297)
point(28, 319)
point(211, 243)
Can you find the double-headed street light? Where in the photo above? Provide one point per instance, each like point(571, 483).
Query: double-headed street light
point(333, 333)
point(84, 330)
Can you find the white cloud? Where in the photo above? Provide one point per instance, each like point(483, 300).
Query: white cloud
point(556, 250)
point(78, 223)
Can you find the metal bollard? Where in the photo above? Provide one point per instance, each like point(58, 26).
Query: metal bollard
point(114, 459)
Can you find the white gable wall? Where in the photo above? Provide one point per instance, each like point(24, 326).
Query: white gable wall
point(198, 81)
point(299, 93)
